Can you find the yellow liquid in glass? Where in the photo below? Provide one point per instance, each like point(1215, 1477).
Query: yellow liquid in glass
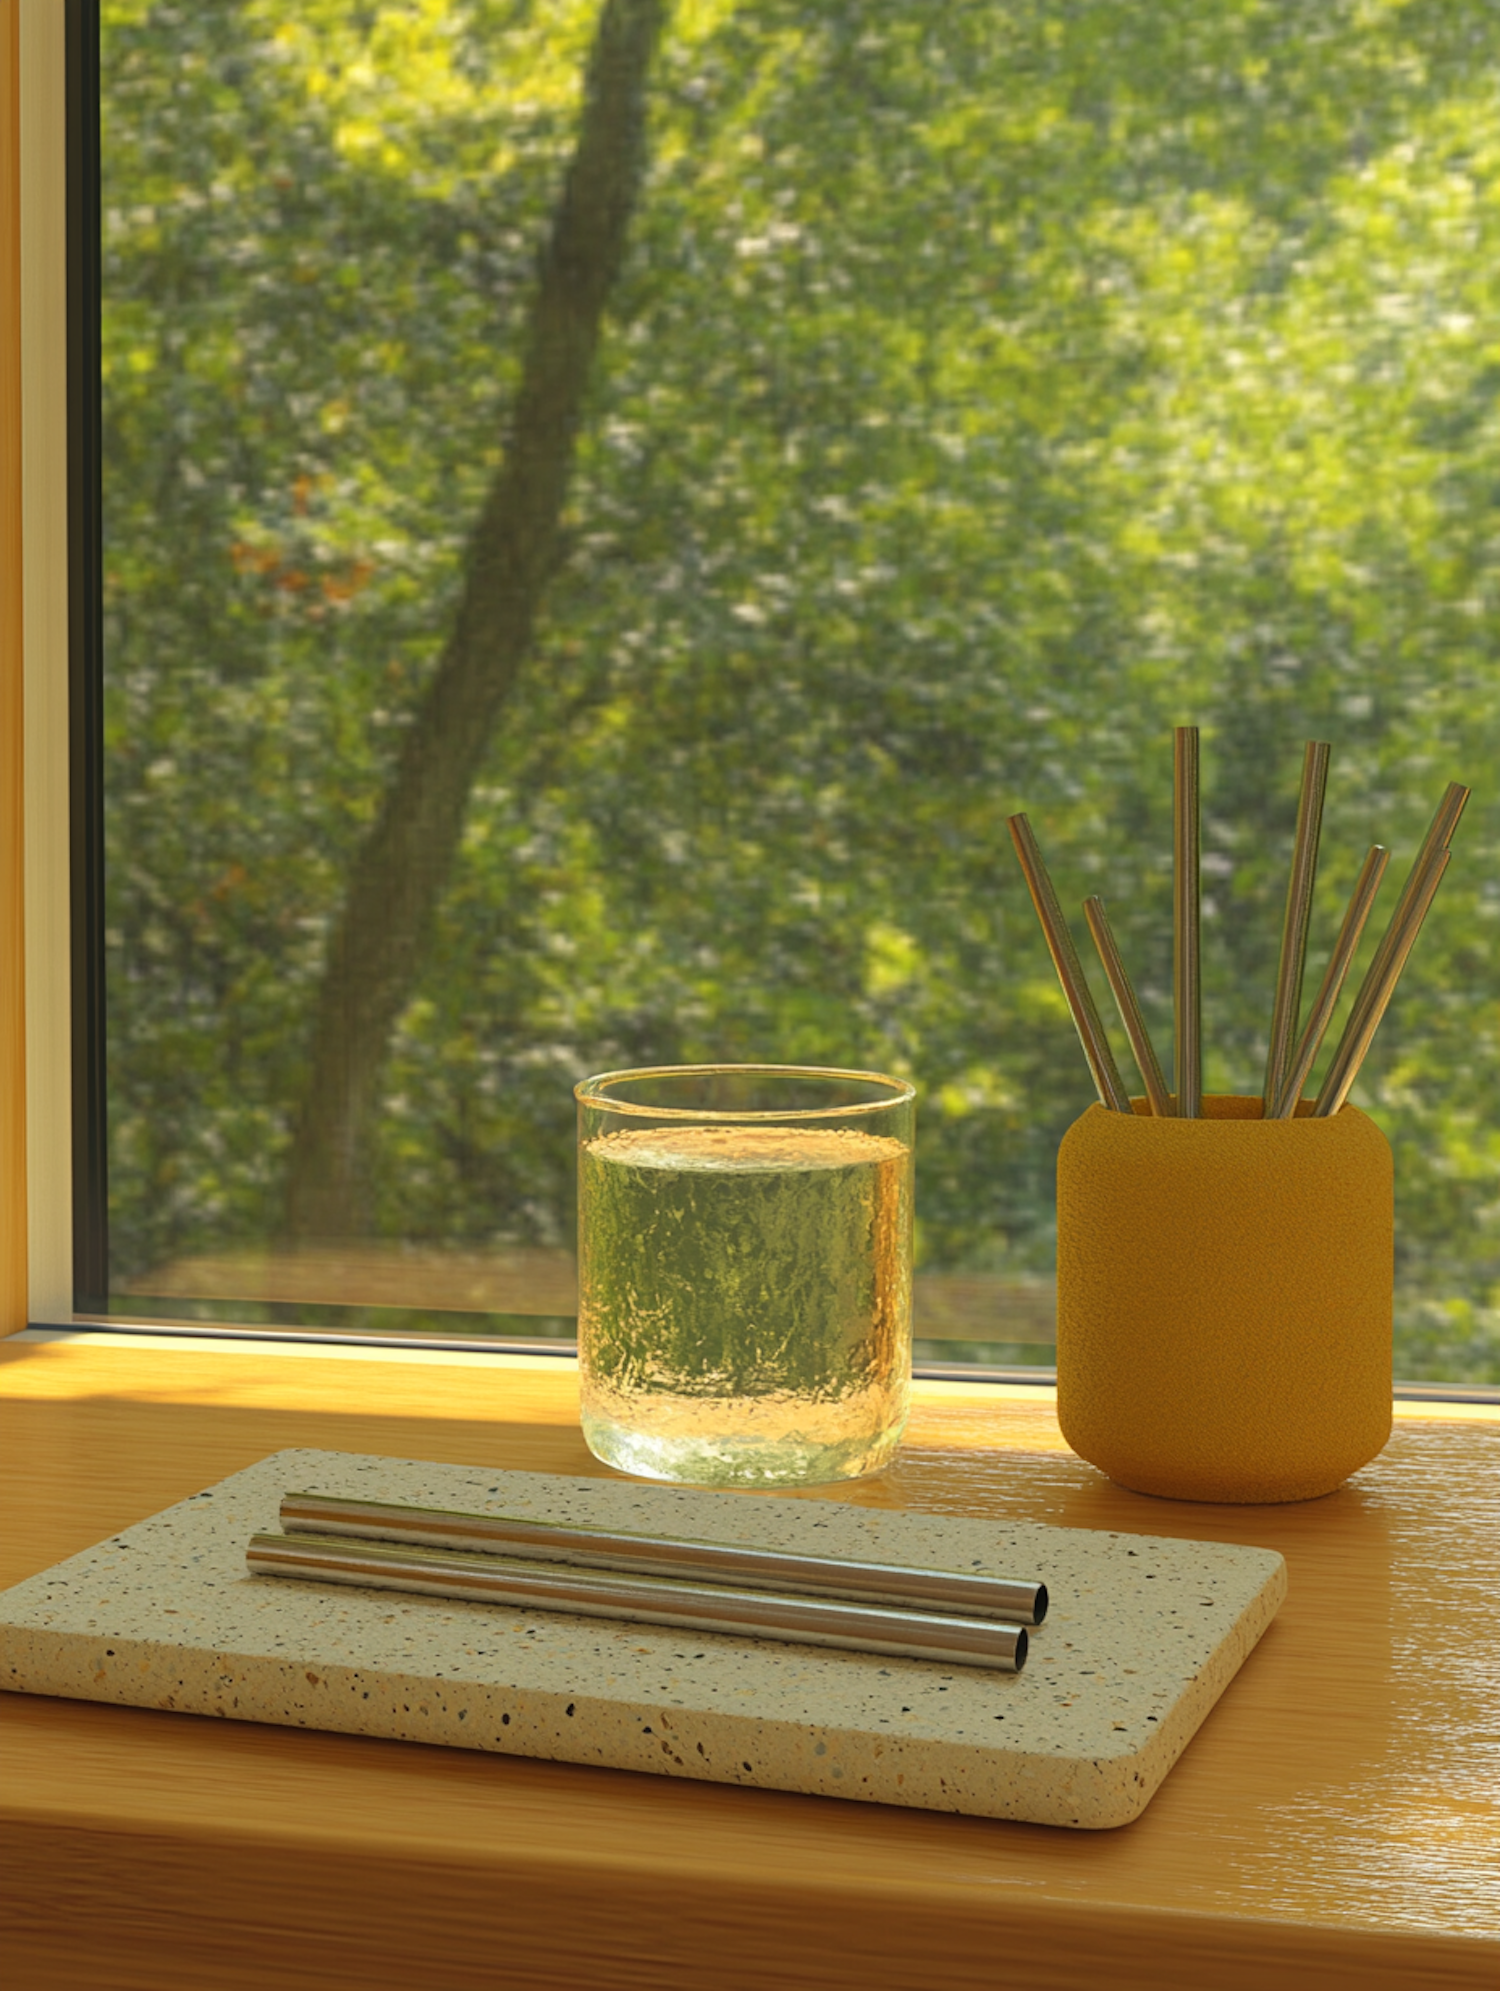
point(745, 1302)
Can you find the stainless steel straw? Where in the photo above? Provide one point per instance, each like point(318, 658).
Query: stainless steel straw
point(1187, 1045)
point(1400, 937)
point(1129, 1008)
point(1439, 835)
point(1305, 1055)
point(1110, 1085)
point(654, 1600)
point(965, 1593)
point(1299, 894)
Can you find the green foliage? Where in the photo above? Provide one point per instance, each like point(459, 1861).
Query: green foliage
point(991, 388)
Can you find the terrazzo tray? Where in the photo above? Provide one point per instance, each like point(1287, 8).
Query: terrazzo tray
point(1142, 1637)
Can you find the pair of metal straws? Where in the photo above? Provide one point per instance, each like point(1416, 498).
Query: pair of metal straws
point(956, 1617)
point(1287, 1066)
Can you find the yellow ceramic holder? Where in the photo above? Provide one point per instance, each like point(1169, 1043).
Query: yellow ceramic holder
point(1224, 1299)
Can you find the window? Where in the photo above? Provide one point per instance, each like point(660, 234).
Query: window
point(977, 393)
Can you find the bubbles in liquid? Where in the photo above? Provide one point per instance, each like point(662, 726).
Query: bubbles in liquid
point(745, 1148)
point(745, 1311)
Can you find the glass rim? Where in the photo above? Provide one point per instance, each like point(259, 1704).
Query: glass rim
point(589, 1092)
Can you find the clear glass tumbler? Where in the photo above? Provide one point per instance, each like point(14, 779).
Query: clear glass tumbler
point(744, 1261)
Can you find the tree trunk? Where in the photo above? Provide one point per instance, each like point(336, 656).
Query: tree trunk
point(400, 871)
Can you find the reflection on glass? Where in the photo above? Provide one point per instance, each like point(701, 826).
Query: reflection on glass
point(745, 1272)
point(525, 660)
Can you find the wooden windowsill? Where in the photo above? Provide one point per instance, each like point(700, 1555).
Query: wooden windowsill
point(1335, 1821)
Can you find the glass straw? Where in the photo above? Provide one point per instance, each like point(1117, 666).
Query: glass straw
point(1107, 1080)
point(1187, 1043)
point(1375, 995)
point(1305, 1055)
point(1130, 1010)
point(1439, 835)
point(1299, 895)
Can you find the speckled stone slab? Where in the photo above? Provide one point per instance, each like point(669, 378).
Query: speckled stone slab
point(1142, 1637)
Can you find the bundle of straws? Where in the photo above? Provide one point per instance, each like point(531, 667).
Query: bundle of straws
point(1288, 1063)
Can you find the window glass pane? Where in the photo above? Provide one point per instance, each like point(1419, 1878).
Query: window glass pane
point(521, 663)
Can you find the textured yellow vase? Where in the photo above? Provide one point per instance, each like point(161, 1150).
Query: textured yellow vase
point(1224, 1299)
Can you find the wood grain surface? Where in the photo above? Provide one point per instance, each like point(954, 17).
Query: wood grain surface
point(1336, 1821)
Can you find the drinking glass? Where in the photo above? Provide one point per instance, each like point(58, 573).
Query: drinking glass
point(744, 1261)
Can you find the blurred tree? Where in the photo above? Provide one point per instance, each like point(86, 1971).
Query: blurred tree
point(400, 871)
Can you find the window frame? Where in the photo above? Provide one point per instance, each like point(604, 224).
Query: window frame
point(52, 1035)
point(38, 29)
